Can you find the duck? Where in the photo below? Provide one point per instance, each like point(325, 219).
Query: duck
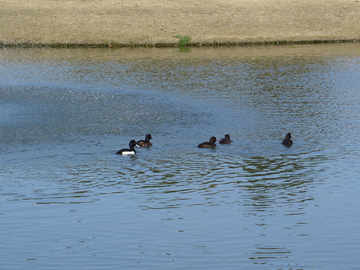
point(287, 141)
point(146, 142)
point(130, 151)
point(209, 144)
point(225, 140)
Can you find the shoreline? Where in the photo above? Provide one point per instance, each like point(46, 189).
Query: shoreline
point(177, 45)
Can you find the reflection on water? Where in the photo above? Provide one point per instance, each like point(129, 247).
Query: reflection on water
point(64, 113)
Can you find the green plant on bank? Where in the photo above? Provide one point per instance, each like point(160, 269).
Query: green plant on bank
point(183, 40)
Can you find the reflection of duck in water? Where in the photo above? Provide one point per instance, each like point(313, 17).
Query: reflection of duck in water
point(225, 140)
point(130, 151)
point(287, 141)
point(209, 144)
point(146, 142)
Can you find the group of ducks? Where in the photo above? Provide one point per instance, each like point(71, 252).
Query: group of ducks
point(210, 144)
point(133, 144)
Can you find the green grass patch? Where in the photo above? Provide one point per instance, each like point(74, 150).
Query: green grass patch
point(183, 40)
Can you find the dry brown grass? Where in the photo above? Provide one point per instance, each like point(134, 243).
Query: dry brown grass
point(157, 21)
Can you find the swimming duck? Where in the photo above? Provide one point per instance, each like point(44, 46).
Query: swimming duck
point(225, 140)
point(209, 144)
point(130, 151)
point(146, 142)
point(287, 141)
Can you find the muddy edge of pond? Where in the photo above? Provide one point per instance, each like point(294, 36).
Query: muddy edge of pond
point(173, 45)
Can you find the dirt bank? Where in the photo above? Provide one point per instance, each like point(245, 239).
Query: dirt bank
point(147, 23)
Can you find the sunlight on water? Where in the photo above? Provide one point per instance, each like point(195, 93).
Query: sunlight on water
point(69, 202)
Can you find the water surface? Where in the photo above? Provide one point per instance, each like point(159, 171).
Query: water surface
point(67, 201)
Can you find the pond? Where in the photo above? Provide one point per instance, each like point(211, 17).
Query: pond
point(68, 202)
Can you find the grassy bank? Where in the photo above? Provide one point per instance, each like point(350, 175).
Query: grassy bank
point(119, 23)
